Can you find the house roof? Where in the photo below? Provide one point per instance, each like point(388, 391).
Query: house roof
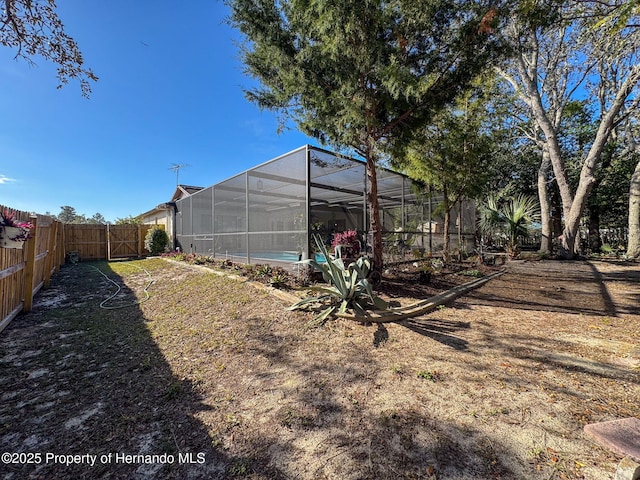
point(157, 209)
point(183, 191)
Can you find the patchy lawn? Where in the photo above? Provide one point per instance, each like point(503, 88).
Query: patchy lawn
point(499, 385)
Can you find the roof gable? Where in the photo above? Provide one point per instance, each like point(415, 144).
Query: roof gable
point(183, 191)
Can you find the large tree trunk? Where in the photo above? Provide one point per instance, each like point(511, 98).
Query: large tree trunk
point(545, 203)
point(587, 179)
point(447, 237)
point(595, 239)
point(374, 212)
point(566, 247)
point(459, 221)
point(633, 244)
point(552, 144)
point(572, 205)
point(556, 215)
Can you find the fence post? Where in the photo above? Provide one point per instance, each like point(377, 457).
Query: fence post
point(30, 266)
point(59, 245)
point(108, 243)
point(51, 254)
point(140, 241)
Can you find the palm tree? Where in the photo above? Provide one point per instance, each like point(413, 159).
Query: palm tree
point(514, 217)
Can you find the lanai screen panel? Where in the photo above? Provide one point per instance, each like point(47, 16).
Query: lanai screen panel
point(230, 218)
point(278, 209)
point(202, 216)
point(415, 207)
point(390, 197)
point(202, 221)
point(336, 194)
point(186, 217)
point(183, 224)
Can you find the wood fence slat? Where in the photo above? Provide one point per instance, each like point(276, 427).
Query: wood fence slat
point(30, 267)
point(50, 254)
point(140, 241)
point(108, 242)
point(12, 264)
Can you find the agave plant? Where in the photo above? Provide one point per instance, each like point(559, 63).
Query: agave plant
point(348, 287)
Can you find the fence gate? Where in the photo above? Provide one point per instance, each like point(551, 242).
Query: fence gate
point(125, 241)
point(104, 242)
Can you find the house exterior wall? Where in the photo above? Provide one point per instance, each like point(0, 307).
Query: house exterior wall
point(160, 217)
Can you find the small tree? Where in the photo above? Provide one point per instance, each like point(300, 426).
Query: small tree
point(156, 241)
point(68, 214)
point(97, 218)
point(453, 154)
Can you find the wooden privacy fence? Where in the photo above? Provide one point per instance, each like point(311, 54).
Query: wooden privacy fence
point(23, 272)
point(106, 242)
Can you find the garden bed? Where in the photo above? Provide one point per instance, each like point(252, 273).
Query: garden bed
point(402, 283)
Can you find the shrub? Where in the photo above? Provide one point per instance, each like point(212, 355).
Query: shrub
point(606, 249)
point(156, 241)
point(278, 280)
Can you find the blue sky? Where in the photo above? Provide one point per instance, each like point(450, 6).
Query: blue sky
point(170, 92)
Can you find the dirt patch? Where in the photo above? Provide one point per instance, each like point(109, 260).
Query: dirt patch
point(497, 385)
point(406, 283)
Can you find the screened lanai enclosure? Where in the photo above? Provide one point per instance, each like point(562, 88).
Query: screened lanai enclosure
point(270, 213)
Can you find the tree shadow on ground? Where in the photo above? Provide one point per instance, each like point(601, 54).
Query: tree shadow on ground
point(325, 406)
point(81, 380)
point(552, 286)
point(440, 330)
point(608, 304)
point(265, 398)
point(627, 276)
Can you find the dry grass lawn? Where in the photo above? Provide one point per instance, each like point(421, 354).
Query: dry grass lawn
point(498, 385)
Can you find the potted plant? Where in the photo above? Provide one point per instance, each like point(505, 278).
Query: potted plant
point(13, 233)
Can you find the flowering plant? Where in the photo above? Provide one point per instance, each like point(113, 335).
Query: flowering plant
point(349, 239)
point(8, 219)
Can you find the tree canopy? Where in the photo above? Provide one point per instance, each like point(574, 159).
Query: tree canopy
point(361, 75)
point(554, 62)
point(32, 28)
point(68, 214)
point(452, 155)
